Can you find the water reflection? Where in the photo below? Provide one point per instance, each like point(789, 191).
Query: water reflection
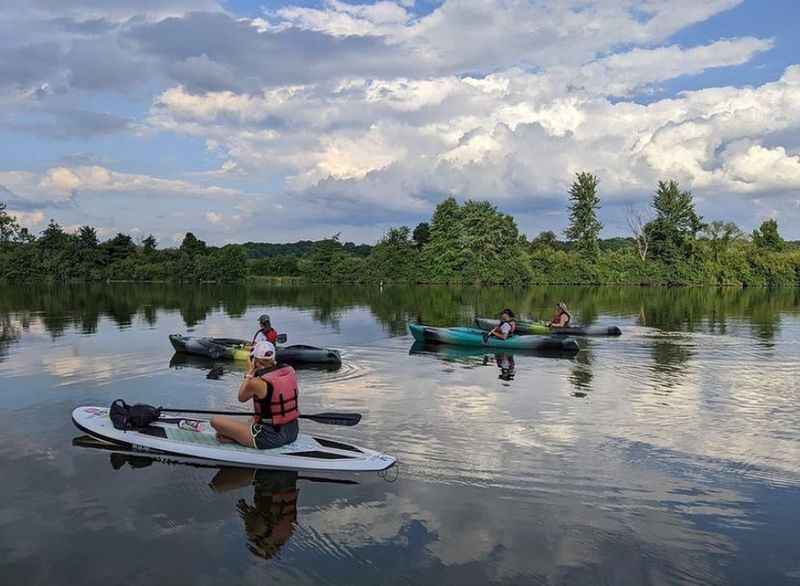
point(220, 367)
point(269, 518)
point(581, 374)
point(472, 357)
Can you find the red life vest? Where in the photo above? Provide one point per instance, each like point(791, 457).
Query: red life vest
point(557, 318)
point(280, 405)
point(271, 335)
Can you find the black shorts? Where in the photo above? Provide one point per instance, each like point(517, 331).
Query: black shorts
point(267, 436)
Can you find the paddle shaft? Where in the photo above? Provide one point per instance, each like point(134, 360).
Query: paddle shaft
point(327, 418)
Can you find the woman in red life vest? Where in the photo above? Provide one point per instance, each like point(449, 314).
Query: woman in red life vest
point(274, 391)
point(265, 333)
point(562, 316)
point(506, 328)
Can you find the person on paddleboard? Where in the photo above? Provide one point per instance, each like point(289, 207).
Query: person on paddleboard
point(507, 327)
point(273, 388)
point(265, 333)
point(561, 317)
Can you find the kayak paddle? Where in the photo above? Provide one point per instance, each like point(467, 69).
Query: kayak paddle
point(346, 419)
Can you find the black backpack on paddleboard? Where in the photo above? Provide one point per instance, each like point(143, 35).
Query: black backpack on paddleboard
point(126, 417)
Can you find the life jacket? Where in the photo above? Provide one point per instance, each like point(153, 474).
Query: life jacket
point(279, 407)
point(271, 335)
point(558, 318)
point(513, 325)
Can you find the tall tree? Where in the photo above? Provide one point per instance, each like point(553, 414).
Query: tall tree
point(120, 247)
point(9, 228)
point(87, 237)
point(584, 226)
point(720, 236)
point(192, 245)
point(149, 244)
point(394, 258)
point(443, 255)
point(767, 236)
point(422, 234)
point(675, 227)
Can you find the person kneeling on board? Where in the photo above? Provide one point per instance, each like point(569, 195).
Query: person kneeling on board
point(506, 329)
point(274, 390)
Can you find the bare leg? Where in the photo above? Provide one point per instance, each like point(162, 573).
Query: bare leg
point(230, 430)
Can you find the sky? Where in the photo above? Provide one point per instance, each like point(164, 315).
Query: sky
point(275, 122)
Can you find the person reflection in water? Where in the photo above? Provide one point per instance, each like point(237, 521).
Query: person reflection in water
point(271, 520)
point(505, 362)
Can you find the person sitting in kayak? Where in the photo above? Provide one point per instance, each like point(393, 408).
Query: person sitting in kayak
point(507, 327)
point(273, 388)
point(265, 333)
point(562, 316)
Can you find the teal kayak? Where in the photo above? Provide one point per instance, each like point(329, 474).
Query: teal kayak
point(539, 327)
point(475, 337)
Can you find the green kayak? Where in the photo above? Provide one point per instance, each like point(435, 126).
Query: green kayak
point(539, 327)
point(475, 337)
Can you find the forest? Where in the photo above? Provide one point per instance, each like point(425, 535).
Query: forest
point(462, 243)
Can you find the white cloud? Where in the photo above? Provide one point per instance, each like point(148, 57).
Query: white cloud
point(512, 135)
point(59, 184)
point(214, 217)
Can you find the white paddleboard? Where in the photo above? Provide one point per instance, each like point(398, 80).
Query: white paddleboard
point(306, 453)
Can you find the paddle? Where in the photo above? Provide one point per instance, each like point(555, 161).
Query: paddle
point(346, 419)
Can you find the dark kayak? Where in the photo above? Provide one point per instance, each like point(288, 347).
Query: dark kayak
point(539, 327)
point(234, 349)
point(475, 337)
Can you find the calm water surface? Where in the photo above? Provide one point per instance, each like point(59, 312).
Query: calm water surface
point(669, 455)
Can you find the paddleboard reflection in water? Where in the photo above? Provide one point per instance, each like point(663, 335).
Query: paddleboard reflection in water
point(269, 519)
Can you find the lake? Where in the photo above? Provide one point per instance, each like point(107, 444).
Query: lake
point(668, 455)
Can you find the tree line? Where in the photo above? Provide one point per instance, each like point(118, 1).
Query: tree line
point(473, 242)
point(470, 242)
point(63, 256)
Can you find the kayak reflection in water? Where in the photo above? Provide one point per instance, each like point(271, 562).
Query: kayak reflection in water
point(562, 317)
point(271, 520)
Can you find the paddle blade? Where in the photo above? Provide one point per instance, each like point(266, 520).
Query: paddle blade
point(347, 419)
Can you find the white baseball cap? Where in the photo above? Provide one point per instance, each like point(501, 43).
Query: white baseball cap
point(263, 350)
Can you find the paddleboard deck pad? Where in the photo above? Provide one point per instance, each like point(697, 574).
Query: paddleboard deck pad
point(195, 438)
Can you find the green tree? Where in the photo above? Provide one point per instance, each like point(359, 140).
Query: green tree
point(584, 226)
point(720, 235)
point(474, 243)
point(149, 245)
point(192, 246)
point(767, 236)
point(421, 234)
point(675, 227)
point(9, 227)
point(546, 239)
point(442, 255)
point(394, 258)
point(119, 247)
point(87, 237)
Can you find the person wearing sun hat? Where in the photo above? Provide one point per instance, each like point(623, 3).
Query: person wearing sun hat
point(562, 316)
point(274, 390)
